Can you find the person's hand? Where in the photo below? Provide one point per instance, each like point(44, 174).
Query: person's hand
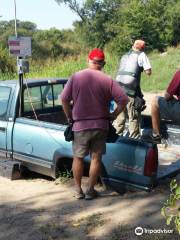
point(70, 120)
point(167, 96)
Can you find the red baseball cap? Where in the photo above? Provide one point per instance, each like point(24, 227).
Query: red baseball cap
point(97, 54)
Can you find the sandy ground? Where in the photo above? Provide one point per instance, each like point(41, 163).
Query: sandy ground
point(37, 208)
point(148, 97)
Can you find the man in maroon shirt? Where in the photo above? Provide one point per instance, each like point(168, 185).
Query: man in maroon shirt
point(167, 107)
point(91, 92)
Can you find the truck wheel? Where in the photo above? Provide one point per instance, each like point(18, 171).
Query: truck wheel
point(63, 165)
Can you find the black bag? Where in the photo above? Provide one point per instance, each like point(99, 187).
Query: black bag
point(68, 133)
point(139, 104)
point(112, 135)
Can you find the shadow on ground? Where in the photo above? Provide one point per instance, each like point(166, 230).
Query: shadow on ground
point(37, 209)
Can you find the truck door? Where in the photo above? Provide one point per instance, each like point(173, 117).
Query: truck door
point(33, 140)
point(4, 99)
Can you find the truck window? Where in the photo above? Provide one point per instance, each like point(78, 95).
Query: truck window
point(47, 96)
point(4, 99)
point(57, 89)
point(32, 95)
point(42, 97)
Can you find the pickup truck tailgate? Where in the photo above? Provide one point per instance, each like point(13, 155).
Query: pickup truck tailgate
point(134, 163)
point(129, 162)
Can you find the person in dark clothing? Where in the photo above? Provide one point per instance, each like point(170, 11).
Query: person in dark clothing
point(167, 107)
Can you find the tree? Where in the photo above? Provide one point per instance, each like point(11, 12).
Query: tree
point(92, 29)
point(7, 64)
point(75, 6)
point(45, 43)
point(115, 24)
point(50, 43)
point(25, 28)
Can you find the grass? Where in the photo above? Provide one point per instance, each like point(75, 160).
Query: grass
point(90, 223)
point(163, 67)
point(63, 177)
point(52, 231)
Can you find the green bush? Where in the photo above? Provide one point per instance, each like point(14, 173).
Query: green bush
point(63, 177)
point(171, 209)
point(7, 64)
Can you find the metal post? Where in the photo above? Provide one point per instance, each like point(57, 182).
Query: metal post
point(20, 72)
point(19, 66)
point(15, 21)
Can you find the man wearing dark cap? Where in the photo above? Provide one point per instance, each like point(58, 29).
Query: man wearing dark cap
point(91, 92)
point(129, 74)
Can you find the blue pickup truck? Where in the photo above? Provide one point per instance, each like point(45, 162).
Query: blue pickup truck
point(32, 136)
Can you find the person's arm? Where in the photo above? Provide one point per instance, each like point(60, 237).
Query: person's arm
point(144, 62)
point(66, 98)
point(67, 110)
point(172, 89)
point(148, 72)
point(167, 96)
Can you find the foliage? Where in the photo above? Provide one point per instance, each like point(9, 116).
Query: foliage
point(25, 28)
point(92, 29)
point(112, 25)
point(7, 65)
point(164, 66)
point(47, 43)
point(115, 24)
point(51, 43)
point(63, 177)
point(171, 209)
point(153, 20)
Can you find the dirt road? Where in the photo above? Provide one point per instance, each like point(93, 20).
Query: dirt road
point(38, 209)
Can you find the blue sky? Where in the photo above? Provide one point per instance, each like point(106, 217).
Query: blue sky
point(45, 13)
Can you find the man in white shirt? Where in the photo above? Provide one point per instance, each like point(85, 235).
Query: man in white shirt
point(129, 75)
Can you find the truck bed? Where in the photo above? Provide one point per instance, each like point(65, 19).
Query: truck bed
point(51, 117)
point(169, 160)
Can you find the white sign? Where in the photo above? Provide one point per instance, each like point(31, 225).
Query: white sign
point(20, 46)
